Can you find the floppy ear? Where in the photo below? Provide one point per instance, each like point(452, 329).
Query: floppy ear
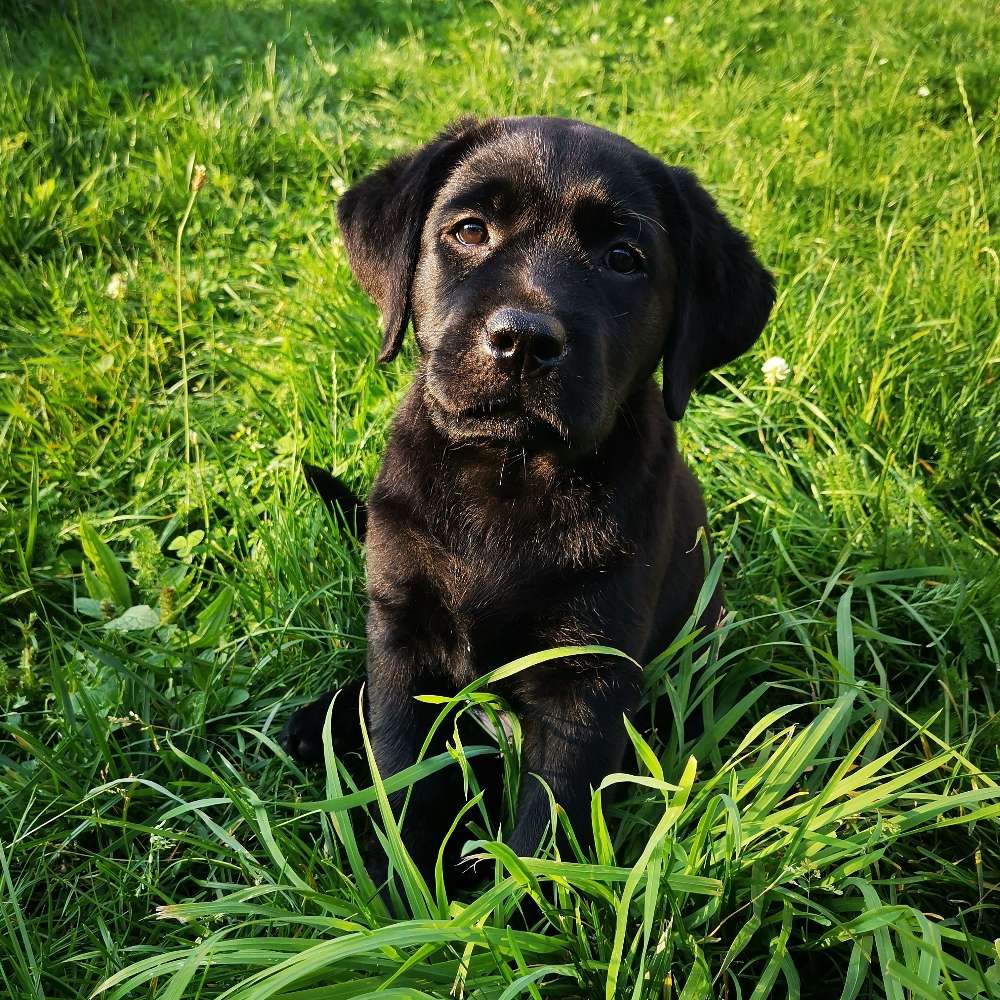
point(382, 216)
point(723, 295)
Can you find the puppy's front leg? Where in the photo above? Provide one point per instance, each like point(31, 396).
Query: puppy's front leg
point(404, 649)
point(573, 737)
point(393, 728)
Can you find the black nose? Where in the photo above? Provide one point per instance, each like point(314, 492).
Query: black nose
point(524, 341)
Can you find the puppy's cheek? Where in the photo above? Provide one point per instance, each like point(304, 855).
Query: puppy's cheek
point(626, 370)
point(427, 333)
point(584, 419)
point(460, 375)
point(442, 331)
point(587, 401)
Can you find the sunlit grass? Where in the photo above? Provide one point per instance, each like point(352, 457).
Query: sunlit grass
point(169, 588)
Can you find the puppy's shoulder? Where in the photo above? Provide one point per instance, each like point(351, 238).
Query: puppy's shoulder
point(410, 453)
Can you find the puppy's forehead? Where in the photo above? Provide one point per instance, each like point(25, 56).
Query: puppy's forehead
point(552, 160)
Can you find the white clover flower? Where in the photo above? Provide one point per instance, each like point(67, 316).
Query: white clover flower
point(923, 91)
point(775, 370)
point(668, 20)
point(116, 286)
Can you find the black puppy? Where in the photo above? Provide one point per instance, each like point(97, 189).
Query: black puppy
point(532, 494)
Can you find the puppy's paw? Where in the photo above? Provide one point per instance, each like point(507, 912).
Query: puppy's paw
point(302, 737)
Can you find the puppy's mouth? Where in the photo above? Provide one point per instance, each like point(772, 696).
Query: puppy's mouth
point(503, 420)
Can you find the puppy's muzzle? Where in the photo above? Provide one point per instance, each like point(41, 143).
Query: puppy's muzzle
point(524, 343)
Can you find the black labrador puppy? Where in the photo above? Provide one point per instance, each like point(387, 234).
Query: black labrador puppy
point(532, 494)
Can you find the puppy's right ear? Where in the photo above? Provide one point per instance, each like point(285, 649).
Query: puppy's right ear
point(724, 294)
point(382, 217)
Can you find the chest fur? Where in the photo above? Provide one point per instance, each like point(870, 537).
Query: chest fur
point(524, 522)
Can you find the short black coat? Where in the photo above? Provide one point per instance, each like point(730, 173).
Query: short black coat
point(511, 514)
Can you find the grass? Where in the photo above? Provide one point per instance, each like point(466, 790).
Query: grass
point(169, 589)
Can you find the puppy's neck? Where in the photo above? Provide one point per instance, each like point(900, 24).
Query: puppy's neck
point(531, 508)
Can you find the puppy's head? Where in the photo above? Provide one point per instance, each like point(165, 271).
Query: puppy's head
point(548, 266)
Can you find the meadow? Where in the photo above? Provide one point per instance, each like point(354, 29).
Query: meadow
point(170, 589)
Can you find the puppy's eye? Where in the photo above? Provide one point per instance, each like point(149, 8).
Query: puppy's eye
point(622, 259)
point(472, 233)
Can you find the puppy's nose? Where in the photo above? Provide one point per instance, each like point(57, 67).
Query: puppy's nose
point(524, 341)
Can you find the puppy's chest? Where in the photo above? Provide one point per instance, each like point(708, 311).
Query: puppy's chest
point(520, 531)
point(504, 601)
point(515, 568)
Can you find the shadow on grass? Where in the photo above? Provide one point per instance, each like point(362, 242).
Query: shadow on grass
point(139, 47)
point(180, 36)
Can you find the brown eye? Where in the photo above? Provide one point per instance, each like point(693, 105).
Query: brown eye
point(622, 259)
point(472, 233)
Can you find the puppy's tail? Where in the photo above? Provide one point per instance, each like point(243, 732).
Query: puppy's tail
point(339, 498)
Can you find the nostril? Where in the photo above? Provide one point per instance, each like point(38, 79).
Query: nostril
point(545, 347)
point(503, 343)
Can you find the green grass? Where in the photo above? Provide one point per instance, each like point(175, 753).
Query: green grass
point(838, 833)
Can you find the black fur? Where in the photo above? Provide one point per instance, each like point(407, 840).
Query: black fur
point(532, 494)
point(340, 499)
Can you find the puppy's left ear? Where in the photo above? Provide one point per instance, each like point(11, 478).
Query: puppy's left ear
point(382, 217)
point(723, 295)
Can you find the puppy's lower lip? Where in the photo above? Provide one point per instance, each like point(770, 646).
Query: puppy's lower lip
point(491, 407)
point(482, 408)
point(499, 419)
